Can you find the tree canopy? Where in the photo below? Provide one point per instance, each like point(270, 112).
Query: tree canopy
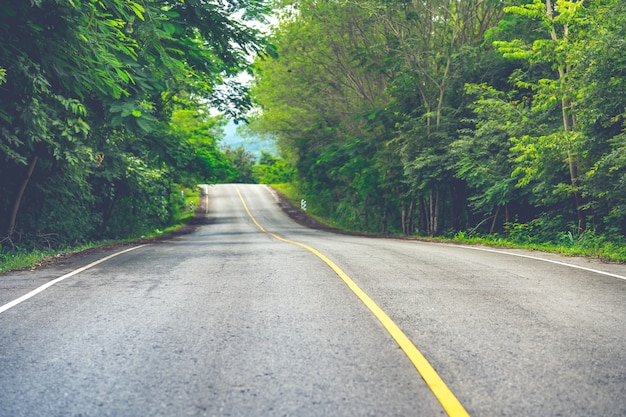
point(103, 108)
point(422, 116)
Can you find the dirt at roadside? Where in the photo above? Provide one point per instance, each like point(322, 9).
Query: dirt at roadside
point(297, 213)
point(301, 217)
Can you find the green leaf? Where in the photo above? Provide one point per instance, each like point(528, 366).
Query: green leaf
point(145, 125)
point(138, 9)
point(169, 28)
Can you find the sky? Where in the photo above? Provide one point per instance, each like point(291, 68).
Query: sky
point(254, 145)
point(233, 138)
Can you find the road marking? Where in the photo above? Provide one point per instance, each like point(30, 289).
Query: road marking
point(57, 280)
point(446, 398)
point(584, 268)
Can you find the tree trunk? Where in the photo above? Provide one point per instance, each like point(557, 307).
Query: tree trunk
point(366, 213)
point(18, 197)
point(493, 222)
point(458, 204)
point(385, 214)
point(423, 215)
point(412, 216)
point(568, 121)
point(107, 212)
point(582, 223)
point(433, 226)
point(507, 219)
point(403, 219)
point(436, 212)
point(431, 213)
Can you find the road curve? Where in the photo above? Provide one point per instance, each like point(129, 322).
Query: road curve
point(231, 321)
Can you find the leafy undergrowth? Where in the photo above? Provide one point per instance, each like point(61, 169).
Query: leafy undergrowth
point(291, 192)
point(16, 257)
point(521, 236)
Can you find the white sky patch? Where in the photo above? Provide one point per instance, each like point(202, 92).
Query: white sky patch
point(245, 78)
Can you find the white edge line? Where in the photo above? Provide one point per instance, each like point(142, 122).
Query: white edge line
point(59, 279)
point(596, 271)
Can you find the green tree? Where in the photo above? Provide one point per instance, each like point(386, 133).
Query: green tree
point(241, 162)
point(88, 90)
point(41, 116)
point(199, 157)
point(483, 155)
point(324, 100)
point(600, 78)
point(366, 95)
point(562, 22)
point(272, 170)
point(436, 115)
point(431, 42)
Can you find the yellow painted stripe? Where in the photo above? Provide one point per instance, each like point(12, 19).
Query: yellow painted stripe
point(448, 400)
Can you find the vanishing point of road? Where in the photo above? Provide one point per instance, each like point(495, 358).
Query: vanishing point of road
point(255, 315)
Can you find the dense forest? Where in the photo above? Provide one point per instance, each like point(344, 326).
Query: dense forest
point(429, 117)
point(104, 112)
point(444, 116)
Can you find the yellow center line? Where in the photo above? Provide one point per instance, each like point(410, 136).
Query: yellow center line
point(448, 400)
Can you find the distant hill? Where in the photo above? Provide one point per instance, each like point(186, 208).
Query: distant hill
point(254, 145)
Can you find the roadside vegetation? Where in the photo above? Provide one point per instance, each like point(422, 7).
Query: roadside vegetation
point(31, 254)
point(518, 236)
point(480, 121)
point(568, 243)
point(108, 111)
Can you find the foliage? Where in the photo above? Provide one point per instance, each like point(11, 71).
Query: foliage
point(440, 116)
point(197, 155)
point(272, 170)
point(241, 162)
point(432, 117)
point(103, 110)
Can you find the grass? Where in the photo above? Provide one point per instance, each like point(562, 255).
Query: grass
point(292, 193)
point(20, 259)
point(587, 244)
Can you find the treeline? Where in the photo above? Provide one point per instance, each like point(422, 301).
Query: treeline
point(440, 116)
point(104, 111)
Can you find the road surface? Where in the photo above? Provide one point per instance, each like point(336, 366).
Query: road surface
point(231, 321)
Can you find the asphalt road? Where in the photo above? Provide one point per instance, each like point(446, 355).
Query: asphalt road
point(230, 321)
